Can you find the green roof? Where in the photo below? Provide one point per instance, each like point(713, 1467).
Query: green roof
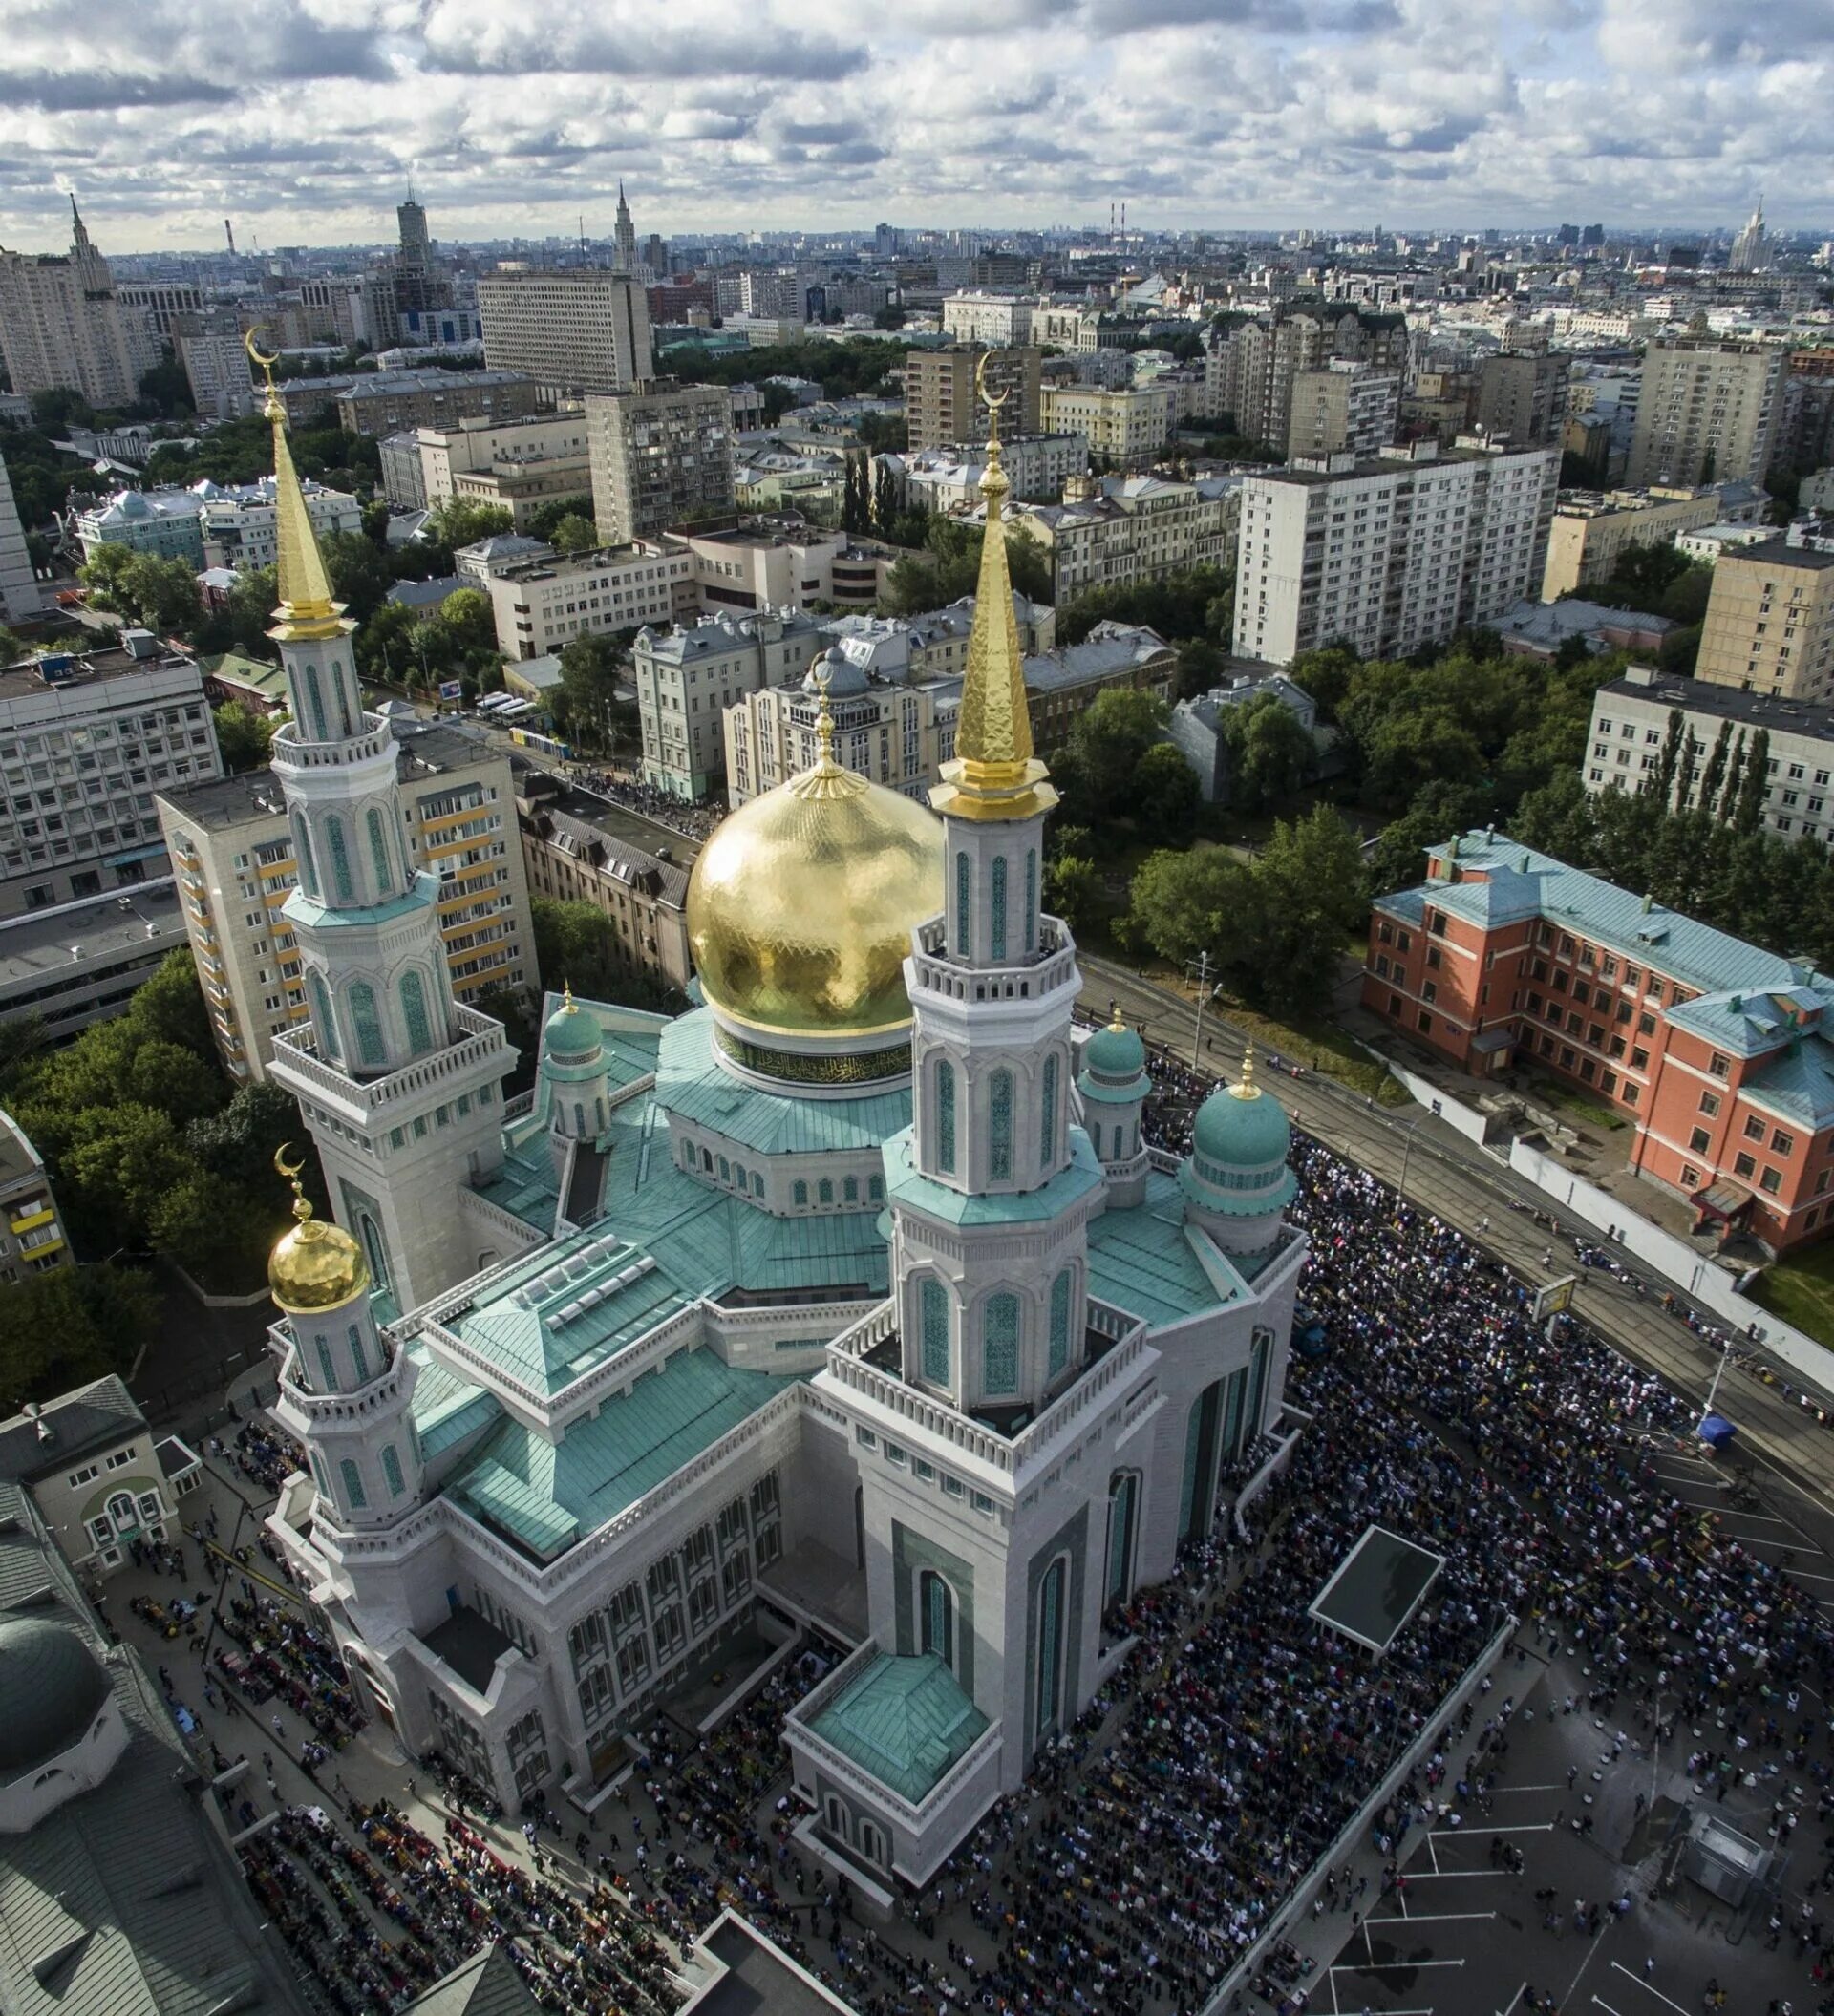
point(691, 1083)
point(569, 1032)
point(547, 1495)
point(906, 1182)
point(1115, 1054)
point(447, 1407)
point(1798, 1084)
point(1142, 1260)
point(904, 1720)
point(1242, 1132)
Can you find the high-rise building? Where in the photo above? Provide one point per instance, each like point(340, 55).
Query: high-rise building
point(1249, 371)
point(1706, 413)
point(997, 321)
point(578, 330)
point(1750, 249)
point(1769, 625)
point(1344, 408)
point(62, 328)
point(216, 363)
point(20, 597)
point(1389, 555)
point(234, 853)
point(1126, 429)
point(659, 451)
point(1522, 397)
point(943, 408)
point(624, 239)
point(416, 249)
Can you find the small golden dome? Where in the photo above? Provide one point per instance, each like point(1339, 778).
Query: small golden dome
point(316, 1265)
point(802, 905)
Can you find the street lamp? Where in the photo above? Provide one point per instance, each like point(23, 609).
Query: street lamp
point(1407, 1149)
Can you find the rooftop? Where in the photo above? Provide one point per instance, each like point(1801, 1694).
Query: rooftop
point(391, 384)
point(40, 945)
point(100, 1416)
point(756, 1978)
point(65, 672)
point(1723, 703)
point(904, 1720)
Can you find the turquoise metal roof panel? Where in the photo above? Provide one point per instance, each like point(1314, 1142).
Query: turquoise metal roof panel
point(906, 1183)
point(1142, 1260)
point(447, 1407)
point(1798, 1084)
point(904, 1720)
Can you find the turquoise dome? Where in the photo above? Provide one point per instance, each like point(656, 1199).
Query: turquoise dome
point(571, 1034)
point(1241, 1127)
point(50, 1687)
point(1113, 1052)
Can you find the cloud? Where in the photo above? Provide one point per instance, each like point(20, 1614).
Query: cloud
point(305, 118)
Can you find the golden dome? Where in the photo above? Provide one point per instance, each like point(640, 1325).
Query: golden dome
point(316, 1265)
point(802, 905)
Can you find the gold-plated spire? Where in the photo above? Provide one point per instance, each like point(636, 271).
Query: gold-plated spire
point(316, 1265)
point(994, 774)
point(824, 779)
point(1245, 1086)
point(1115, 1021)
point(306, 611)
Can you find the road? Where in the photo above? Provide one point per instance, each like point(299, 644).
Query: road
point(1459, 1182)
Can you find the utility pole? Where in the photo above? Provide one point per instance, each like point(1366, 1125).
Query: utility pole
point(1201, 966)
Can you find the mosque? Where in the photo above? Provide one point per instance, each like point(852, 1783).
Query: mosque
point(850, 1303)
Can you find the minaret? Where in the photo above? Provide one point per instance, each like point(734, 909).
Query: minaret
point(399, 1081)
point(993, 1187)
point(624, 259)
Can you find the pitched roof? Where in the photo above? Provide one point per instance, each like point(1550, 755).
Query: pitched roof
point(486, 1984)
point(94, 1416)
point(903, 1720)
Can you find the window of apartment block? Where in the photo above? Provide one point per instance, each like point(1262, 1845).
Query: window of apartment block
point(1743, 1165)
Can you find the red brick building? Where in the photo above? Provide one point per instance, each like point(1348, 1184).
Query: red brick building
point(1718, 1053)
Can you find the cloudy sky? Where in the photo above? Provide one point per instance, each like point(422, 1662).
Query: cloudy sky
point(303, 120)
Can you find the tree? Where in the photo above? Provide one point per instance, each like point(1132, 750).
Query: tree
point(155, 593)
point(548, 515)
point(469, 623)
point(1311, 897)
point(576, 946)
point(458, 521)
point(1183, 903)
point(513, 1007)
point(1192, 602)
point(1270, 752)
point(1165, 793)
point(244, 736)
point(361, 573)
point(590, 693)
point(1749, 815)
point(1109, 738)
point(165, 389)
point(948, 566)
point(1398, 860)
point(64, 1328)
point(1072, 888)
point(575, 533)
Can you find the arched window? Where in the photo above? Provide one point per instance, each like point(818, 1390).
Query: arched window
point(1258, 1392)
point(798, 1192)
point(997, 909)
point(303, 858)
point(366, 1022)
point(964, 939)
point(1000, 1344)
point(359, 1357)
point(999, 1126)
point(315, 705)
point(323, 1482)
point(936, 1607)
point(1123, 1497)
point(392, 1471)
point(379, 853)
point(342, 886)
point(1048, 1117)
point(934, 1301)
point(1059, 1323)
point(340, 697)
point(739, 1175)
point(373, 1246)
point(598, 1109)
point(1031, 898)
point(326, 1367)
point(414, 1012)
point(946, 1116)
point(578, 1120)
point(757, 1183)
point(323, 1020)
point(352, 1485)
point(824, 1191)
point(1050, 1648)
point(725, 1170)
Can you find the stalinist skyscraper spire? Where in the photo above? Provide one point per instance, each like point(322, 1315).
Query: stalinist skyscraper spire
point(399, 1081)
point(626, 260)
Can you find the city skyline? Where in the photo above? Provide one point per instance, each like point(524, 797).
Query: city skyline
point(1245, 115)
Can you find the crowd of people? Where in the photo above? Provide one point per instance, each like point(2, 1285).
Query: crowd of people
point(1158, 1838)
point(661, 807)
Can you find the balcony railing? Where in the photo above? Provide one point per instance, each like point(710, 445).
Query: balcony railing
point(480, 1040)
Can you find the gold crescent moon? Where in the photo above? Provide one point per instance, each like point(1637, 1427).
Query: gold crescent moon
point(256, 354)
point(281, 1164)
point(992, 401)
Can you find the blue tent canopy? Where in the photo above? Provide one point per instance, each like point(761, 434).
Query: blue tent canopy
point(1716, 1430)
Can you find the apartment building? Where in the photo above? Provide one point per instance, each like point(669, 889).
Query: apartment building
point(1126, 428)
point(1769, 626)
point(210, 346)
point(762, 566)
point(586, 329)
point(1592, 528)
point(519, 464)
point(21, 598)
point(1345, 408)
point(941, 480)
point(1522, 397)
point(1631, 725)
point(1389, 555)
point(237, 520)
point(32, 1233)
point(541, 601)
point(238, 528)
point(75, 964)
point(63, 326)
point(85, 742)
point(1250, 370)
point(895, 723)
point(687, 677)
point(1707, 411)
point(232, 854)
point(387, 401)
point(942, 405)
point(1113, 531)
point(1714, 1051)
point(660, 452)
point(992, 321)
point(571, 858)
